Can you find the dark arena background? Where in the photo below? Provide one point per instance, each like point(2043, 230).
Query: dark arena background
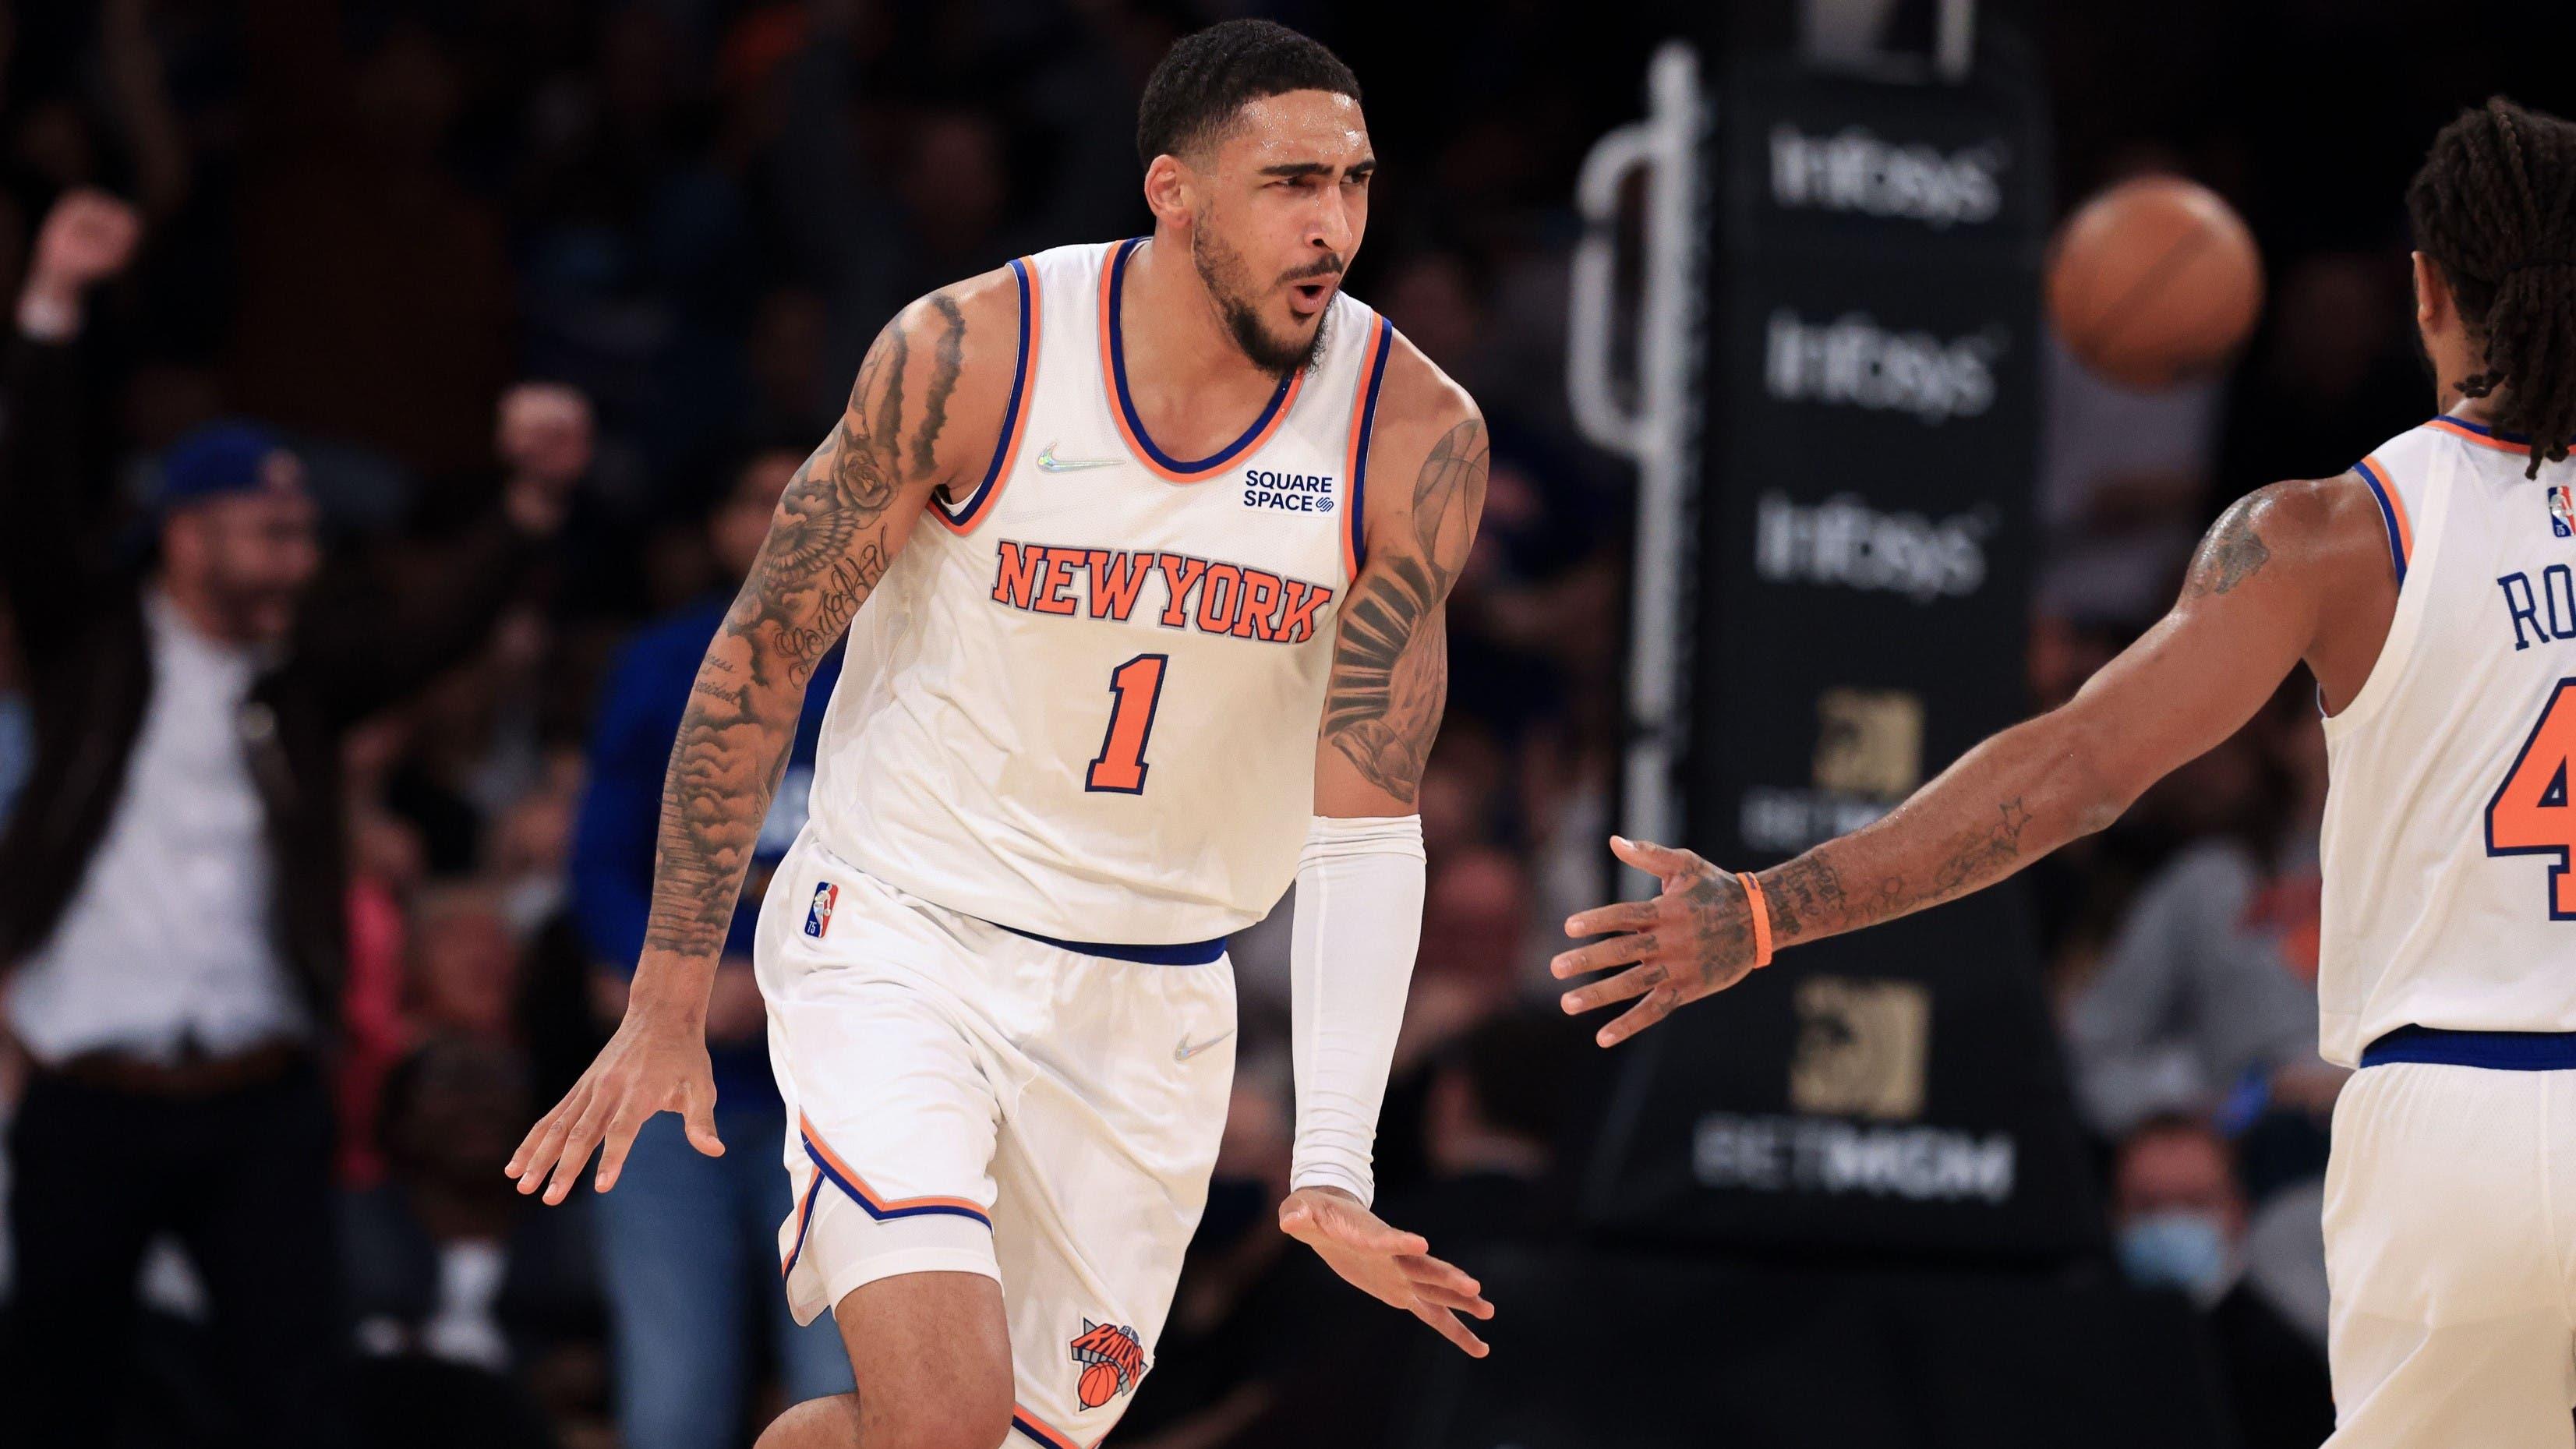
point(1794, 497)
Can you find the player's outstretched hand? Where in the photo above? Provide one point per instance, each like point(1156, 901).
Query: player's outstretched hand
point(1395, 1268)
point(1693, 940)
point(651, 1065)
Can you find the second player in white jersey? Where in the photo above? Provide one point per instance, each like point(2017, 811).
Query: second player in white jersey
point(2448, 897)
point(2430, 591)
point(1084, 706)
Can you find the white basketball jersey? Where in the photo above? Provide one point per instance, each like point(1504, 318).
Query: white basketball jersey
point(1085, 705)
point(2448, 898)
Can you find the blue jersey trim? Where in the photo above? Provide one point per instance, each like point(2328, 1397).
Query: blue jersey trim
point(1022, 1423)
point(2387, 518)
point(1118, 384)
point(2504, 1051)
point(1011, 419)
point(868, 1204)
point(804, 1223)
point(1187, 953)
point(1357, 519)
point(2483, 431)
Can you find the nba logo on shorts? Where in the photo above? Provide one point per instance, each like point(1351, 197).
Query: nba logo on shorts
point(2562, 512)
point(818, 915)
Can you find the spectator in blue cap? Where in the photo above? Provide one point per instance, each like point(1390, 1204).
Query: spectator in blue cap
point(237, 531)
point(172, 888)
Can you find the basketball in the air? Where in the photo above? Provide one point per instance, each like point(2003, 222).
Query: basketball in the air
point(2154, 281)
point(1099, 1382)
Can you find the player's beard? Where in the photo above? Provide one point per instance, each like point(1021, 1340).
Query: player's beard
point(1228, 281)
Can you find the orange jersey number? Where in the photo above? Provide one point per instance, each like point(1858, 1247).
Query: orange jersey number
point(1136, 687)
point(2531, 813)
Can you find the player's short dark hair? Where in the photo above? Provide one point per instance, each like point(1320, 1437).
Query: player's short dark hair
point(1208, 76)
point(2492, 206)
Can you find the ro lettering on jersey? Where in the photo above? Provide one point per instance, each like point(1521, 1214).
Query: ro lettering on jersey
point(2540, 610)
point(1209, 595)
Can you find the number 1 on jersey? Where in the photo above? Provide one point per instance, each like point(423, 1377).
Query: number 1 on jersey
point(1136, 687)
point(2531, 813)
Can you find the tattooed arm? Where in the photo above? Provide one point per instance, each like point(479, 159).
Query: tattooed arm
point(1390, 677)
point(2296, 571)
point(922, 413)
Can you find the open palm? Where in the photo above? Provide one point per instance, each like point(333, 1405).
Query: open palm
point(1694, 939)
point(1395, 1268)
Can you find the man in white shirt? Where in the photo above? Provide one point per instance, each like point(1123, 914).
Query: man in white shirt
point(172, 903)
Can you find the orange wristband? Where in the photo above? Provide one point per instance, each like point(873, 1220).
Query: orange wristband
point(1761, 910)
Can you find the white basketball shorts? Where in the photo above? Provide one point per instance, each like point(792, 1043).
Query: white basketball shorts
point(2450, 1224)
point(962, 1097)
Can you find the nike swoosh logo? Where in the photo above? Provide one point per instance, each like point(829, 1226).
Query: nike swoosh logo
point(1188, 1049)
point(1048, 462)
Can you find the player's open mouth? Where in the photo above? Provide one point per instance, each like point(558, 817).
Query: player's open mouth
point(1308, 298)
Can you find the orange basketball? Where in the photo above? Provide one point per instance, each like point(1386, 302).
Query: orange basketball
point(2154, 281)
point(1098, 1382)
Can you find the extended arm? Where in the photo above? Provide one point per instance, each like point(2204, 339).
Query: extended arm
point(838, 526)
point(2270, 575)
point(1360, 879)
point(55, 548)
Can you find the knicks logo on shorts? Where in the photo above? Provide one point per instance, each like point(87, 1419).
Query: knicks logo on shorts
point(818, 914)
point(2562, 512)
point(1112, 1360)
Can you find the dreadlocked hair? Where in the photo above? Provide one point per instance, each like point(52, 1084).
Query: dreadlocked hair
point(2492, 206)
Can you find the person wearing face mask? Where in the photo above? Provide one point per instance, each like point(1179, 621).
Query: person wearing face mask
point(678, 1243)
point(2179, 1222)
point(173, 927)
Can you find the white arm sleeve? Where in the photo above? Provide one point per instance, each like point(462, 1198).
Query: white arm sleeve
point(1350, 962)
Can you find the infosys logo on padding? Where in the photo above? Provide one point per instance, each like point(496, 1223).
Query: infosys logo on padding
point(1851, 361)
point(1844, 543)
point(1854, 170)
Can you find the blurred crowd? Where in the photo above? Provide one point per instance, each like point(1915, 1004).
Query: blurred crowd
point(621, 258)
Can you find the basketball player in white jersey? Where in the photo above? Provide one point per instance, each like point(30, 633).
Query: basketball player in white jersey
point(2431, 590)
point(1141, 549)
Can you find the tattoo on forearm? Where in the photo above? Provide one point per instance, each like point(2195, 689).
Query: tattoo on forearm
point(1973, 859)
point(826, 550)
point(1969, 862)
point(2232, 553)
point(1390, 678)
point(1976, 857)
point(1721, 925)
point(1805, 894)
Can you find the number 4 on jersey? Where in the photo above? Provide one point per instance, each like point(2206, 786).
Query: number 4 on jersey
point(1137, 687)
point(2531, 814)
